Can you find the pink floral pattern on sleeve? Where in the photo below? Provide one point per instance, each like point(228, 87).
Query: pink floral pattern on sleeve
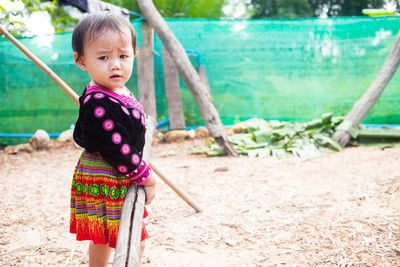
point(124, 109)
point(122, 168)
point(136, 114)
point(135, 159)
point(108, 125)
point(87, 98)
point(125, 149)
point(98, 95)
point(99, 112)
point(116, 138)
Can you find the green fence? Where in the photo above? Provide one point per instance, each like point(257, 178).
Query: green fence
point(273, 69)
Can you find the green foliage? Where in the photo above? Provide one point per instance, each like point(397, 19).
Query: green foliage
point(281, 9)
point(16, 28)
point(311, 8)
point(60, 18)
point(257, 138)
point(211, 9)
point(344, 7)
point(62, 21)
point(37, 5)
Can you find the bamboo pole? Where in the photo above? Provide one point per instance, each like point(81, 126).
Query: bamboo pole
point(41, 65)
point(75, 97)
point(175, 188)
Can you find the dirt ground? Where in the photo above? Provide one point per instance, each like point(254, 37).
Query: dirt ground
point(339, 209)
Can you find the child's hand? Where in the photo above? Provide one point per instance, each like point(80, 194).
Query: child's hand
point(150, 192)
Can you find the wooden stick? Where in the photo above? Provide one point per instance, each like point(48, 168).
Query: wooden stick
point(175, 188)
point(41, 65)
point(75, 97)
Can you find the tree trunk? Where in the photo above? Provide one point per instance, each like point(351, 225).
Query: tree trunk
point(145, 69)
point(348, 128)
point(172, 91)
point(204, 78)
point(189, 75)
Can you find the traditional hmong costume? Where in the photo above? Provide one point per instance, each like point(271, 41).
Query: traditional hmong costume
point(111, 128)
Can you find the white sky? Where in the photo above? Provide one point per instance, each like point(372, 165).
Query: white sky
point(38, 23)
point(235, 9)
point(390, 5)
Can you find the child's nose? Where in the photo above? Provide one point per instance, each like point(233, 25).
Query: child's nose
point(115, 64)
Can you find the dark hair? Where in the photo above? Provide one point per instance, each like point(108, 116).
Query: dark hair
point(94, 24)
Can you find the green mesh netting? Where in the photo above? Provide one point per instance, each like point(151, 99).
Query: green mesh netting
point(271, 69)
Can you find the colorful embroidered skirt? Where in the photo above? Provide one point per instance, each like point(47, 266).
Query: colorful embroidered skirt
point(97, 196)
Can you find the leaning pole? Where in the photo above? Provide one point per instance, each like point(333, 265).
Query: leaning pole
point(348, 128)
point(189, 75)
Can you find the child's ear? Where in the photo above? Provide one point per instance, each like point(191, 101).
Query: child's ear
point(80, 61)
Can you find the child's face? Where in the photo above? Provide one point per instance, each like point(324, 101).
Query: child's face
point(108, 59)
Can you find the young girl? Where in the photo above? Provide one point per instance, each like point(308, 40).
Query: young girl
point(111, 128)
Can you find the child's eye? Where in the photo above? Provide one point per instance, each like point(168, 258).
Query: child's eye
point(103, 58)
point(123, 56)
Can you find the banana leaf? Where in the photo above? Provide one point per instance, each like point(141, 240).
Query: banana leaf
point(258, 138)
point(278, 152)
point(276, 124)
point(337, 120)
point(306, 151)
point(241, 139)
point(263, 136)
point(213, 153)
point(256, 146)
point(314, 124)
point(326, 141)
point(326, 118)
point(260, 153)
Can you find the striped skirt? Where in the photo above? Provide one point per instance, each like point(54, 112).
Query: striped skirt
point(97, 196)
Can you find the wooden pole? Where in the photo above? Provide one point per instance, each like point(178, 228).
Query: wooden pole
point(189, 75)
point(204, 78)
point(172, 90)
point(145, 69)
point(175, 188)
point(67, 89)
point(130, 227)
point(348, 128)
point(41, 65)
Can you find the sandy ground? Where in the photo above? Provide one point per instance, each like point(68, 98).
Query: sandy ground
point(339, 209)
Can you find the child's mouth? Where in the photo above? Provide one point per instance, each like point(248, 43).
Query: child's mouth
point(115, 76)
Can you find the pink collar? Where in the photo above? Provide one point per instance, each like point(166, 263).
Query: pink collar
point(127, 101)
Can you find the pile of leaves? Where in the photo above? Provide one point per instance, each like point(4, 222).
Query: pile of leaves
point(259, 138)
